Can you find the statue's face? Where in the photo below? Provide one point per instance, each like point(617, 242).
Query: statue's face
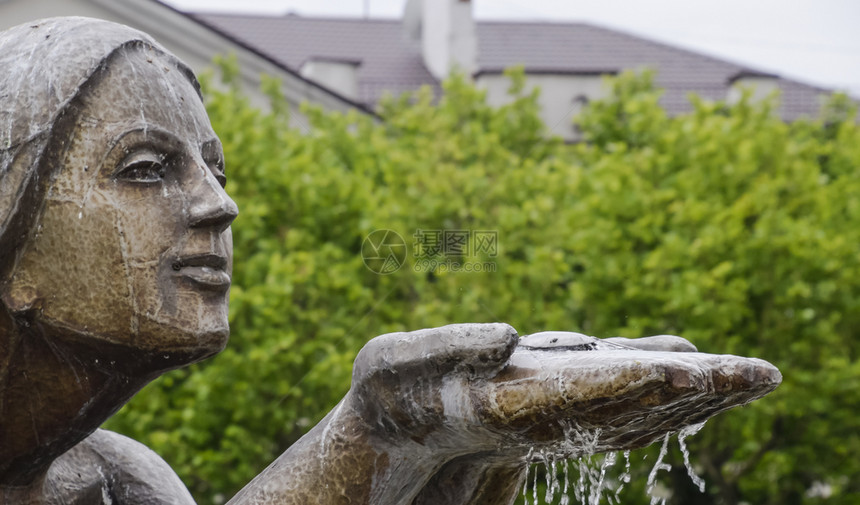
point(134, 246)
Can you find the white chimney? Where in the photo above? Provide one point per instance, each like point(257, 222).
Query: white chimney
point(447, 32)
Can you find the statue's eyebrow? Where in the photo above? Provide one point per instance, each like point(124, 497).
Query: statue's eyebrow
point(151, 135)
point(146, 130)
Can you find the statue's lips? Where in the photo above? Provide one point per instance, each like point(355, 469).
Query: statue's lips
point(207, 271)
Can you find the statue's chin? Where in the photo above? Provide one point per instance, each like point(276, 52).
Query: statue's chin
point(147, 354)
point(161, 358)
point(206, 346)
point(175, 343)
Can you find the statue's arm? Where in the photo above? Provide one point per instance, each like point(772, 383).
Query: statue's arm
point(107, 467)
point(307, 474)
point(333, 463)
point(389, 435)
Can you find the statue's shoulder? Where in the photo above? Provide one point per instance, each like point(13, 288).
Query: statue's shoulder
point(107, 467)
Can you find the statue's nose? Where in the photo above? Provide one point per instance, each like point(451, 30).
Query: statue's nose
point(211, 206)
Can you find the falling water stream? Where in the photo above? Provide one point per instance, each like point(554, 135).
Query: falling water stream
point(592, 486)
point(686, 432)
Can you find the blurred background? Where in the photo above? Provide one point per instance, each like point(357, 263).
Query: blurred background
point(814, 41)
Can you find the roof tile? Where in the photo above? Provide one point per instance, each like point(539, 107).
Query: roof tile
point(389, 61)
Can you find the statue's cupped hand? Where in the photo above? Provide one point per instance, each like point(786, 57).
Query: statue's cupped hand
point(477, 388)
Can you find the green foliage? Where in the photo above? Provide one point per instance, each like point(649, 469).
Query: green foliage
point(724, 225)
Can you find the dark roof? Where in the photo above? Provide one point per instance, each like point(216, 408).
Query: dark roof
point(390, 61)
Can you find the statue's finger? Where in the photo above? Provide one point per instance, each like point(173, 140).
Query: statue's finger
point(567, 340)
point(477, 350)
point(668, 343)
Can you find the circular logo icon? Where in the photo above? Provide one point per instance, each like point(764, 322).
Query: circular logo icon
point(383, 251)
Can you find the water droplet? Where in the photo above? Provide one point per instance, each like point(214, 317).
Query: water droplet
point(624, 478)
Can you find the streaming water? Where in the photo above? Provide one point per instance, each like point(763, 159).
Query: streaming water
point(552, 484)
point(686, 432)
point(526, 480)
point(624, 478)
point(595, 484)
point(565, 497)
point(652, 477)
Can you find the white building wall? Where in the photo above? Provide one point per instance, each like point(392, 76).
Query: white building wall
point(17, 12)
point(562, 97)
point(339, 76)
point(760, 86)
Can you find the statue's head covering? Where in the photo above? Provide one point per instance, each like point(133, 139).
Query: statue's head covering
point(44, 65)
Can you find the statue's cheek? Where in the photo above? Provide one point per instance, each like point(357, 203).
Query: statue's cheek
point(73, 268)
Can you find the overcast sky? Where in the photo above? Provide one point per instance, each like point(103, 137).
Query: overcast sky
point(814, 41)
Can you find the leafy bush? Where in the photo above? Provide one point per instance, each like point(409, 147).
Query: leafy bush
point(724, 225)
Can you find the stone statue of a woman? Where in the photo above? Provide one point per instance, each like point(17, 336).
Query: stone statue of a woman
point(115, 264)
point(115, 249)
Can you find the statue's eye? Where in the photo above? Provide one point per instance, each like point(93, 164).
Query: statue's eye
point(214, 157)
point(142, 167)
point(218, 170)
